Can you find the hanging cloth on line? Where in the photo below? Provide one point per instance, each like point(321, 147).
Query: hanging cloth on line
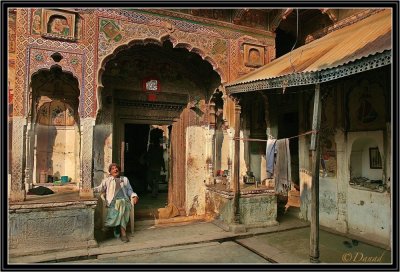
point(282, 171)
point(270, 157)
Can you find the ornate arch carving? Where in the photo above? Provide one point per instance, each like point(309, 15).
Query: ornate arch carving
point(208, 45)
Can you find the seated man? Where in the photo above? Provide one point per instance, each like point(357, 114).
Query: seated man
point(118, 192)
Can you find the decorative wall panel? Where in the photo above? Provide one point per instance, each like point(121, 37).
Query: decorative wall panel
point(18, 155)
point(87, 152)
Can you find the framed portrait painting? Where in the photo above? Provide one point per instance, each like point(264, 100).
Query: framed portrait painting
point(58, 24)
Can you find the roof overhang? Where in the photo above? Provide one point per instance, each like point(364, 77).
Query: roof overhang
point(299, 79)
point(362, 46)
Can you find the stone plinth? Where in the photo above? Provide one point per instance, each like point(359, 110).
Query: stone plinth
point(258, 207)
point(36, 227)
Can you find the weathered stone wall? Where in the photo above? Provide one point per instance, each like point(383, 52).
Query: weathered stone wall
point(35, 228)
point(196, 172)
point(257, 210)
point(344, 207)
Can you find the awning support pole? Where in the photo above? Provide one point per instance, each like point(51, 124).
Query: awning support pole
point(315, 149)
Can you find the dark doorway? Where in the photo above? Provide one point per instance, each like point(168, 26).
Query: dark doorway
point(137, 140)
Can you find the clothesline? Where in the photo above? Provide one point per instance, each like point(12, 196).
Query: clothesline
point(262, 140)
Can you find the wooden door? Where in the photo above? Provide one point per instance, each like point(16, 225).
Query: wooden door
point(176, 188)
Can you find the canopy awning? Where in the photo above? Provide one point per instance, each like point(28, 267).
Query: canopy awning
point(362, 46)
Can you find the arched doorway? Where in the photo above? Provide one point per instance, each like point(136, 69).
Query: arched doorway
point(55, 145)
point(147, 86)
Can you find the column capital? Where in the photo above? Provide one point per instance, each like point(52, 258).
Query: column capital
point(210, 131)
point(231, 132)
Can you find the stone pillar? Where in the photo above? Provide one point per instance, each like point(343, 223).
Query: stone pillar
point(210, 151)
point(87, 125)
point(236, 226)
point(211, 142)
point(17, 173)
point(17, 192)
point(231, 135)
point(29, 159)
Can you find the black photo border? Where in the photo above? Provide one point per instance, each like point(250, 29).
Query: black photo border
point(201, 4)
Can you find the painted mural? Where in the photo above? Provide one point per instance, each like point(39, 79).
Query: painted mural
point(328, 163)
point(365, 105)
point(58, 24)
point(37, 21)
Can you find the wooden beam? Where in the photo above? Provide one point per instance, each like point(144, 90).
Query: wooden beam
point(315, 148)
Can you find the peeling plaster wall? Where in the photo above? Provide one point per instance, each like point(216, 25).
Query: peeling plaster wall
point(369, 215)
point(195, 170)
point(219, 206)
point(327, 201)
point(102, 154)
point(35, 228)
point(345, 209)
point(368, 212)
point(225, 153)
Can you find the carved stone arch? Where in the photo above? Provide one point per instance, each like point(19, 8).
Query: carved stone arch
point(200, 52)
point(65, 69)
point(186, 46)
point(152, 41)
point(170, 38)
point(68, 77)
point(158, 42)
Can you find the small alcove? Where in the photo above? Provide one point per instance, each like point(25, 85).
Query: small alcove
point(367, 164)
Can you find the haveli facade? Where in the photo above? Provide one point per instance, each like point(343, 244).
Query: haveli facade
point(81, 81)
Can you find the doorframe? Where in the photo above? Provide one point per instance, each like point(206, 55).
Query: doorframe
point(119, 132)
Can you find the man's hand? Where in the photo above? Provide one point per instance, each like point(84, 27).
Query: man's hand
point(135, 199)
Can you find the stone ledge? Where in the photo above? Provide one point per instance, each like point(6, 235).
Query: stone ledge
point(26, 207)
point(41, 255)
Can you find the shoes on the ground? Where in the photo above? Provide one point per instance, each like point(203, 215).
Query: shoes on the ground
point(124, 238)
point(347, 244)
point(117, 232)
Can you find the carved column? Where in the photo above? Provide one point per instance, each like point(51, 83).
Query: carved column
point(19, 111)
point(29, 156)
point(236, 163)
point(211, 142)
point(86, 154)
point(29, 144)
point(210, 149)
point(231, 135)
point(17, 174)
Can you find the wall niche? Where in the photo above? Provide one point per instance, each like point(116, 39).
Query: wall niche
point(367, 161)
